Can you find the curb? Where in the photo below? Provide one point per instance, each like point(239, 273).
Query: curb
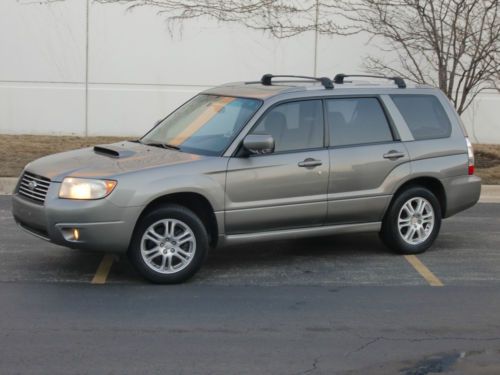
point(7, 185)
point(489, 193)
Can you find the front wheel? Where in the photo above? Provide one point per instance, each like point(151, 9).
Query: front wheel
point(169, 245)
point(412, 222)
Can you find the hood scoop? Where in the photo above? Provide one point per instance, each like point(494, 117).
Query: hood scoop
point(113, 151)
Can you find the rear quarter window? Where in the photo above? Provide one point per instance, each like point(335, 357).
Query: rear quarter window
point(424, 115)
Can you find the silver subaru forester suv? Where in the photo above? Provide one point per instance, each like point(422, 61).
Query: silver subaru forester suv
point(280, 158)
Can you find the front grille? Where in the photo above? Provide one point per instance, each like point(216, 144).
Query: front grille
point(34, 187)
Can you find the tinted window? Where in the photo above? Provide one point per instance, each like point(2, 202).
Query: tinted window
point(294, 126)
point(357, 121)
point(424, 115)
point(205, 125)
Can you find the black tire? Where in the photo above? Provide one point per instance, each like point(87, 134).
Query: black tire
point(181, 215)
point(390, 233)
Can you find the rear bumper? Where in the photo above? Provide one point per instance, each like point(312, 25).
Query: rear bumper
point(461, 193)
point(103, 226)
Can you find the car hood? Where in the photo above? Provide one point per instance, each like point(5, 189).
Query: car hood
point(107, 160)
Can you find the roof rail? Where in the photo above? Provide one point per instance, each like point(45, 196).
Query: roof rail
point(327, 83)
point(400, 82)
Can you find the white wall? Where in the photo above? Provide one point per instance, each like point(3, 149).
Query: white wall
point(124, 71)
point(482, 119)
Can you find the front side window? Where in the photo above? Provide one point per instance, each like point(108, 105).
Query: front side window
point(205, 125)
point(294, 126)
point(354, 121)
point(424, 115)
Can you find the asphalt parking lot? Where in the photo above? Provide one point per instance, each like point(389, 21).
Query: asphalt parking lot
point(340, 304)
point(467, 252)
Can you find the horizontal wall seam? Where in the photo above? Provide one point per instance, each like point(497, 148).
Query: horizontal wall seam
point(108, 83)
point(492, 91)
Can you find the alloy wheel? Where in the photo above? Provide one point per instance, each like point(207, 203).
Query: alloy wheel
point(168, 246)
point(416, 220)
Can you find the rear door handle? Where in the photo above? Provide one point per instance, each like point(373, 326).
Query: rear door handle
point(393, 155)
point(310, 163)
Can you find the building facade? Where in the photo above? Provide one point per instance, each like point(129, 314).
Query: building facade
point(78, 67)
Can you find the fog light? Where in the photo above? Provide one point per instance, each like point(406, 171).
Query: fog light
point(71, 234)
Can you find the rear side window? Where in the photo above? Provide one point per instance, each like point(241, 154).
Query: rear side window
point(424, 115)
point(355, 121)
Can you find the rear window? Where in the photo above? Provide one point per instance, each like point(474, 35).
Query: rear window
point(424, 115)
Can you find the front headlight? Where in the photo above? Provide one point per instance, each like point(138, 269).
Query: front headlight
point(83, 188)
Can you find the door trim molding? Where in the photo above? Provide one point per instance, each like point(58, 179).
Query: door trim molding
point(286, 234)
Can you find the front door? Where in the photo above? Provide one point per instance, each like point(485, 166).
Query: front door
point(287, 188)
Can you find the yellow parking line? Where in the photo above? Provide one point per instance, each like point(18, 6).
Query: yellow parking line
point(103, 270)
point(423, 270)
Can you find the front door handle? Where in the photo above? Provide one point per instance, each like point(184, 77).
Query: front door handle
point(393, 155)
point(310, 163)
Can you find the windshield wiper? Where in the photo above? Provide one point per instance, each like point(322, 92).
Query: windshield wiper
point(173, 147)
point(163, 145)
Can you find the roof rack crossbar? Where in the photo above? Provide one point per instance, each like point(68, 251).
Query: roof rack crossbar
point(327, 83)
point(400, 82)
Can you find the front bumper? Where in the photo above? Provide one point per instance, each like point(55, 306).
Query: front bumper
point(103, 226)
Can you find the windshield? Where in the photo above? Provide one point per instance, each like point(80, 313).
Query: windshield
point(204, 125)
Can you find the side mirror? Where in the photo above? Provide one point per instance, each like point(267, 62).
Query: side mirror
point(259, 143)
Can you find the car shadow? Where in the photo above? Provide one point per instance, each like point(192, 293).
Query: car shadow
point(273, 262)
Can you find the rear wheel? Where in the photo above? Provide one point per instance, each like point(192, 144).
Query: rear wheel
point(169, 245)
point(412, 222)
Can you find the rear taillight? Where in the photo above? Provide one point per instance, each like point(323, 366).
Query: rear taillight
point(470, 152)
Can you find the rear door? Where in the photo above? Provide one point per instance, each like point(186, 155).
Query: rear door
point(365, 155)
point(285, 189)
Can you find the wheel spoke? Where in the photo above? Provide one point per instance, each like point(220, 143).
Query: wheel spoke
point(425, 208)
point(404, 222)
point(163, 262)
point(155, 249)
point(420, 206)
point(409, 235)
point(152, 255)
point(427, 220)
point(409, 208)
point(166, 226)
point(183, 253)
point(182, 257)
point(153, 236)
point(187, 239)
point(171, 231)
point(421, 232)
point(182, 235)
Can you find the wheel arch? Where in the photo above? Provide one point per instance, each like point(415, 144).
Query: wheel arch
point(196, 202)
point(431, 183)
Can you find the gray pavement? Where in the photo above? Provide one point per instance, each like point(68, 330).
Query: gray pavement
point(341, 304)
point(467, 252)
